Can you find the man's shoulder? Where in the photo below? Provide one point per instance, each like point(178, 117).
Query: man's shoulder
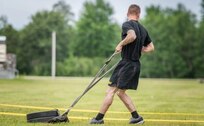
point(126, 23)
point(142, 27)
point(130, 23)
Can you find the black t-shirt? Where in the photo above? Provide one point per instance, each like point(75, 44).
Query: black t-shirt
point(132, 51)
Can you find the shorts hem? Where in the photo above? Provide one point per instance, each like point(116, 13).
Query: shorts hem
point(114, 85)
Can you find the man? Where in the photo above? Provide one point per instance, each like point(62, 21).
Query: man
point(135, 39)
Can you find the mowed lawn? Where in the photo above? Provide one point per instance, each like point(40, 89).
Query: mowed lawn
point(162, 102)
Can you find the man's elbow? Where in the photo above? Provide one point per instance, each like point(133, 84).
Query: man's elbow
point(134, 37)
point(152, 47)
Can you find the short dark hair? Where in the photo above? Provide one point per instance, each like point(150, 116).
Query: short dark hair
point(134, 9)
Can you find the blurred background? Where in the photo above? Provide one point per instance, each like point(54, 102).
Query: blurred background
point(87, 32)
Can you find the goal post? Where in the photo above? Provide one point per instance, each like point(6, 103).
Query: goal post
point(53, 67)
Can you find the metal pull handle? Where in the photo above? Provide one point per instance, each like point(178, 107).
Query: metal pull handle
point(115, 53)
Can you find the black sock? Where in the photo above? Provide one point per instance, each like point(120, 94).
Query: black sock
point(99, 116)
point(134, 114)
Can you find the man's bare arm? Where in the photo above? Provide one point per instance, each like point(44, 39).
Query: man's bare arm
point(148, 48)
point(131, 36)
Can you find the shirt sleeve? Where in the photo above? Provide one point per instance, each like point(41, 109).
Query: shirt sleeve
point(147, 40)
point(126, 26)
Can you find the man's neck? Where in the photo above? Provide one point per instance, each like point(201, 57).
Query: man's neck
point(135, 18)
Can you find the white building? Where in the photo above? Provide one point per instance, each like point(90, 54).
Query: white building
point(7, 61)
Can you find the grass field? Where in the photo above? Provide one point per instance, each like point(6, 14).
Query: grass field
point(162, 102)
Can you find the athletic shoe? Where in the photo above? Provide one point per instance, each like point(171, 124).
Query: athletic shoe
point(138, 120)
point(94, 121)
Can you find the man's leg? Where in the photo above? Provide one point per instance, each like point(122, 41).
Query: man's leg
point(126, 100)
point(108, 99)
point(136, 119)
point(105, 105)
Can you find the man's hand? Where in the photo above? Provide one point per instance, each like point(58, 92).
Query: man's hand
point(119, 47)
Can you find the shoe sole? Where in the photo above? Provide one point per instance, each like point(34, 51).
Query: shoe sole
point(96, 123)
point(141, 122)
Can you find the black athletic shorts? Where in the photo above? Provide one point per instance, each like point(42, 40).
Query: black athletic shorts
point(126, 75)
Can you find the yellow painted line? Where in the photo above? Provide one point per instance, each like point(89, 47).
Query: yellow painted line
point(95, 111)
point(115, 119)
point(25, 106)
point(81, 118)
point(179, 121)
point(13, 114)
point(178, 114)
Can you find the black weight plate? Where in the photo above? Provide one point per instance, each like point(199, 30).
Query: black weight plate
point(42, 119)
point(35, 115)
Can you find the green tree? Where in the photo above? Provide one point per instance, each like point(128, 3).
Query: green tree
point(13, 39)
point(36, 42)
point(198, 62)
point(11, 34)
point(172, 32)
point(97, 34)
point(202, 9)
point(64, 9)
point(3, 21)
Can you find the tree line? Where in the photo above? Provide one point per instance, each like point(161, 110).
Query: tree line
point(83, 45)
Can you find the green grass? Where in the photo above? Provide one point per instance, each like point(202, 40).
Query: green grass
point(153, 95)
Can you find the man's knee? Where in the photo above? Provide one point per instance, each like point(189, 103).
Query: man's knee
point(121, 93)
point(111, 91)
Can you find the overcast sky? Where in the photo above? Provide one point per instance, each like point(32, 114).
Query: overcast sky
point(19, 11)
